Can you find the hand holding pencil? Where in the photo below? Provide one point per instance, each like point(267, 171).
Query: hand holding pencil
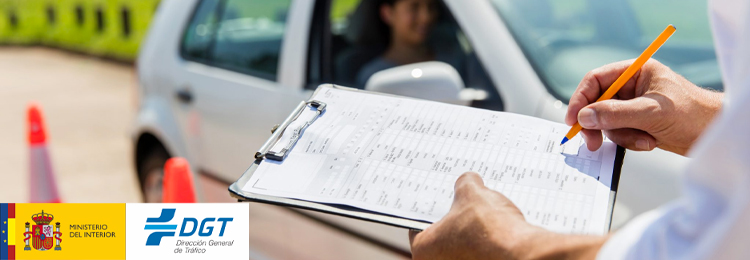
point(652, 107)
point(627, 74)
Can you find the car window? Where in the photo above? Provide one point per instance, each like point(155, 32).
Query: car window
point(563, 40)
point(691, 17)
point(198, 34)
point(249, 36)
point(240, 35)
point(346, 43)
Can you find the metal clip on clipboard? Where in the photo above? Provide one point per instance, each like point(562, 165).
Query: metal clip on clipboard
point(265, 150)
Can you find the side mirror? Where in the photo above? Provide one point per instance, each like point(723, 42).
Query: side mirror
point(430, 80)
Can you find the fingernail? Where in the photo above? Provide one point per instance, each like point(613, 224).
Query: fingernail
point(587, 118)
point(641, 144)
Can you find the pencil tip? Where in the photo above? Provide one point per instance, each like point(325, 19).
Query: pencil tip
point(565, 140)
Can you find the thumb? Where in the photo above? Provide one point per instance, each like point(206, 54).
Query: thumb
point(467, 185)
point(638, 113)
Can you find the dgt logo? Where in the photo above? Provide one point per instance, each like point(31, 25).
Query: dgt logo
point(168, 230)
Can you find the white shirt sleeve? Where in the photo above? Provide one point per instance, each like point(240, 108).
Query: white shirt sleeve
point(712, 219)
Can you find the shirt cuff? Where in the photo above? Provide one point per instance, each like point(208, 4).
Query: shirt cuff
point(619, 245)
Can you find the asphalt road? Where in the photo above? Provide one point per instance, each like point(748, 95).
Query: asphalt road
point(88, 105)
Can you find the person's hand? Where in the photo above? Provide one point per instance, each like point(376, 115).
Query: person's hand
point(484, 224)
point(656, 108)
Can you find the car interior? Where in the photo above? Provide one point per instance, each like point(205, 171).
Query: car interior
point(339, 49)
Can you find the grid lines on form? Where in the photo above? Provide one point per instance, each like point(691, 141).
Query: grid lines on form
point(404, 156)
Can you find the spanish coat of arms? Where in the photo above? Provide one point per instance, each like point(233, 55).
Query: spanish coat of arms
point(43, 235)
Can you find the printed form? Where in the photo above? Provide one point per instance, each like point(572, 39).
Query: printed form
point(401, 157)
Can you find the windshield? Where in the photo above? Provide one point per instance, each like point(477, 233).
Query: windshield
point(564, 39)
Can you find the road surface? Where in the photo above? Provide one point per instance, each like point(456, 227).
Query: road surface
point(88, 106)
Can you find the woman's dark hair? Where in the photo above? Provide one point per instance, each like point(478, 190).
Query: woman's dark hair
point(372, 31)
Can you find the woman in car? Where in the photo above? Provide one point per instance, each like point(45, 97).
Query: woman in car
point(405, 26)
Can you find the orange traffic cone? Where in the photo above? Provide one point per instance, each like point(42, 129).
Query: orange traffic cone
point(42, 178)
point(178, 182)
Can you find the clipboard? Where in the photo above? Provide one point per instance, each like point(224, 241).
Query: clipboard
point(265, 153)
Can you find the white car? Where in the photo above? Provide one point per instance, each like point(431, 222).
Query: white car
point(216, 75)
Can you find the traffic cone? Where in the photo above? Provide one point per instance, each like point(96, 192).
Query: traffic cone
point(41, 177)
point(178, 182)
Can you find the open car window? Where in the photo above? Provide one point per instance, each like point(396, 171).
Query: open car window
point(342, 43)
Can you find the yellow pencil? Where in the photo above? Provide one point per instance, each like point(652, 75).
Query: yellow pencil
point(612, 90)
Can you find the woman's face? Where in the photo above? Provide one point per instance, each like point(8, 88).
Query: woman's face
point(410, 20)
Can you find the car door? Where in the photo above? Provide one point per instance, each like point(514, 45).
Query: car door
point(229, 85)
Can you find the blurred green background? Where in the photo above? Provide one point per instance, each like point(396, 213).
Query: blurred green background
point(106, 28)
